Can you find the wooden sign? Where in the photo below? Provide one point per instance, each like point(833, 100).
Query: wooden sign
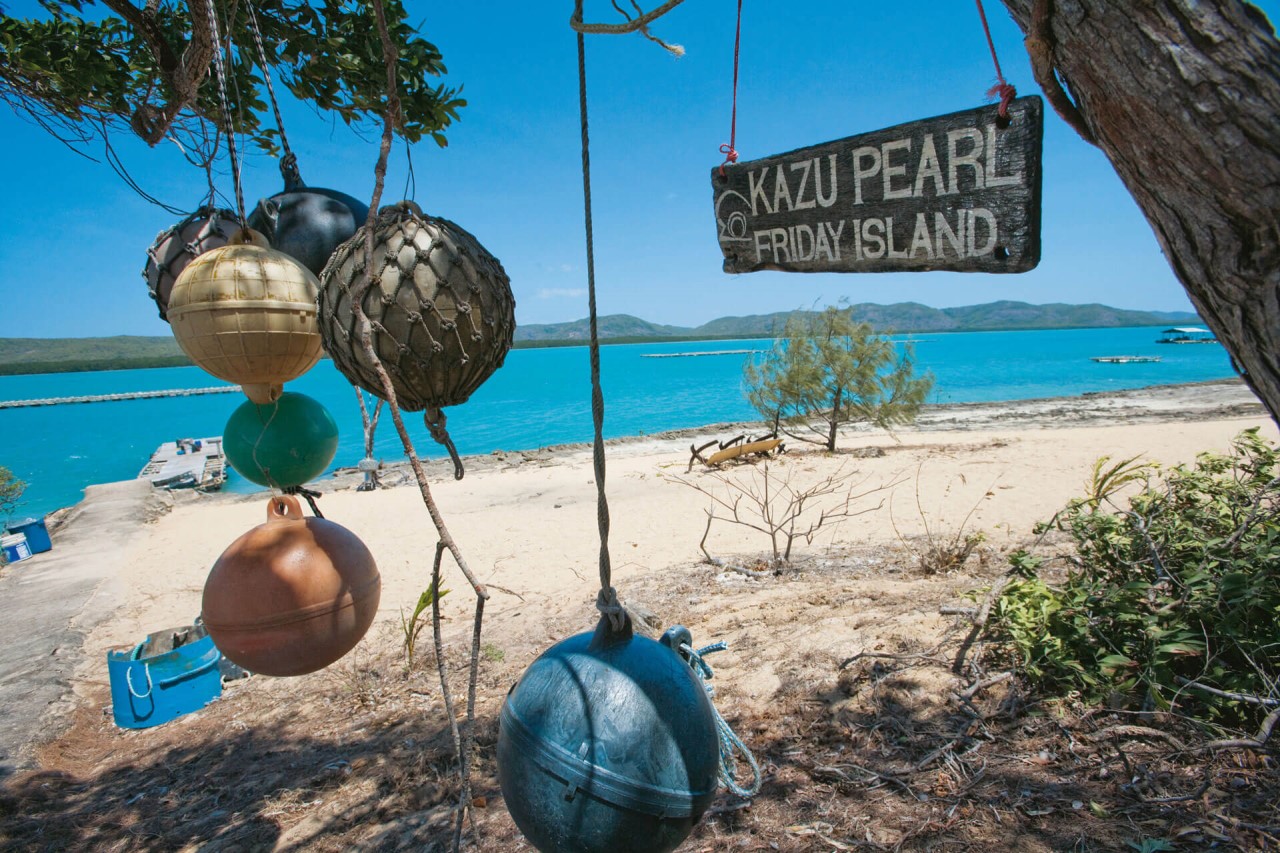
point(958, 192)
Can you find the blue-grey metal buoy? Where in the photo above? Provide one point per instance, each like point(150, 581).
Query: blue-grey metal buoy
point(608, 744)
point(307, 223)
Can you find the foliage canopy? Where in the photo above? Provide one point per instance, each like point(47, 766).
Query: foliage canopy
point(1173, 596)
point(82, 72)
point(828, 370)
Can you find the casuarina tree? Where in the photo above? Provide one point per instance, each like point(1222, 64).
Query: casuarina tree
point(11, 490)
point(827, 370)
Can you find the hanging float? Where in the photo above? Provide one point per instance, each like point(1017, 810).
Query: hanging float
point(307, 223)
point(440, 305)
point(246, 313)
point(292, 595)
point(208, 228)
point(608, 744)
point(282, 444)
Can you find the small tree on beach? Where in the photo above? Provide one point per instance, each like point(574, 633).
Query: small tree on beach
point(827, 370)
point(11, 490)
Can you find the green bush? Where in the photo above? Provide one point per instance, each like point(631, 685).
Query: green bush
point(1171, 595)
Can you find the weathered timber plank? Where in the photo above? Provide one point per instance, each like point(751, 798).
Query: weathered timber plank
point(957, 192)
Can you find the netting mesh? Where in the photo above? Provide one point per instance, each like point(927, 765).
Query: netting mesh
point(208, 228)
point(440, 306)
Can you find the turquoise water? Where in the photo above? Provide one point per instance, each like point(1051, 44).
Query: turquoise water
point(541, 397)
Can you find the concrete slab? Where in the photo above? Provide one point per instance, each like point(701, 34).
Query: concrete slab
point(50, 602)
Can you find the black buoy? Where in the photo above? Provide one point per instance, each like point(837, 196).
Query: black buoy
point(608, 744)
point(307, 223)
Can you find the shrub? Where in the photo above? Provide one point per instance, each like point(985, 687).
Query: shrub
point(1172, 599)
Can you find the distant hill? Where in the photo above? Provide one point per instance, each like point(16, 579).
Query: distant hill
point(899, 317)
point(611, 326)
point(63, 355)
point(68, 355)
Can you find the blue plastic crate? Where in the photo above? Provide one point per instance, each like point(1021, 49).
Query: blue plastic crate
point(171, 673)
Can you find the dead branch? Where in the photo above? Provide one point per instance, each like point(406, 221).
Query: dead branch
point(1227, 694)
point(774, 507)
point(1259, 741)
point(1137, 732)
point(979, 623)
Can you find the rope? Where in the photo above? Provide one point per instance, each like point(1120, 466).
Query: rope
point(607, 601)
point(309, 495)
point(289, 162)
point(729, 741)
point(275, 409)
point(730, 153)
point(220, 72)
point(640, 23)
point(1006, 92)
point(436, 420)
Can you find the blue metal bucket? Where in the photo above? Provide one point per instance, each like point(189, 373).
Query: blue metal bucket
point(171, 673)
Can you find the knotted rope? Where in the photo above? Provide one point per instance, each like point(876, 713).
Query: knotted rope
point(309, 495)
point(220, 72)
point(730, 153)
point(289, 162)
point(607, 601)
point(436, 422)
point(729, 741)
point(1002, 88)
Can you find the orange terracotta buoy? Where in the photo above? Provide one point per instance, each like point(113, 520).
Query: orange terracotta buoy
point(292, 595)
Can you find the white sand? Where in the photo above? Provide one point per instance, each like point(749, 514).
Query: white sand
point(527, 523)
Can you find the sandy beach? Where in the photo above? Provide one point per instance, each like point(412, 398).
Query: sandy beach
point(526, 522)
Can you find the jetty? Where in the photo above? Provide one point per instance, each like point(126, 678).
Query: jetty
point(1125, 359)
point(692, 354)
point(188, 463)
point(126, 395)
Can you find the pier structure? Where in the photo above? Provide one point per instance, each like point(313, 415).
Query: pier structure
point(126, 395)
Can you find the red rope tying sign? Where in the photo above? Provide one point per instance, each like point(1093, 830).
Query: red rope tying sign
point(727, 149)
point(1005, 90)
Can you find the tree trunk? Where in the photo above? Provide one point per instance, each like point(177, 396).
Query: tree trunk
point(835, 422)
point(1184, 99)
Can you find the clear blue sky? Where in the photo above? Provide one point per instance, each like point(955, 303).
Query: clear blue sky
point(75, 235)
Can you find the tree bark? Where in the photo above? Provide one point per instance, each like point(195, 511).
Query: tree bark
point(1183, 96)
point(835, 422)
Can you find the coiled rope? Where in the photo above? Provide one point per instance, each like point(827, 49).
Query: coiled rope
point(729, 740)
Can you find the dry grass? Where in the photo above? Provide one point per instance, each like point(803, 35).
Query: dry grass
point(843, 684)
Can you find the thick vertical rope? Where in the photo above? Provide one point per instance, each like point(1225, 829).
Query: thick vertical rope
point(607, 601)
point(220, 72)
point(288, 161)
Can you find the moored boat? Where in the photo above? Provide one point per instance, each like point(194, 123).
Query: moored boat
point(1187, 335)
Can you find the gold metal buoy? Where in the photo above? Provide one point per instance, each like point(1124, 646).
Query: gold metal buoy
point(247, 314)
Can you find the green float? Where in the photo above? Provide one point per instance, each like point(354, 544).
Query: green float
point(281, 444)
